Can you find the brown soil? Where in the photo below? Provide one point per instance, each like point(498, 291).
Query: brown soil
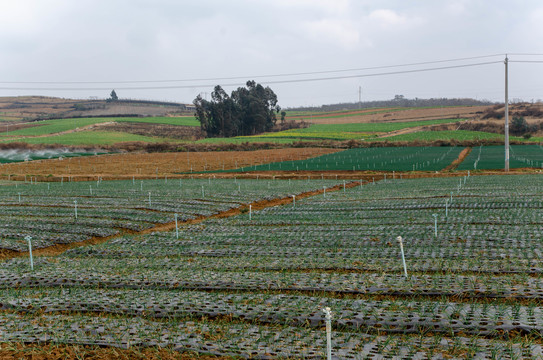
point(463, 154)
point(148, 165)
point(155, 130)
point(469, 112)
point(17, 351)
point(328, 114)
point(496, 126)
point(18, 126)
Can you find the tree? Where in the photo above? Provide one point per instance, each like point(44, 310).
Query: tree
point(247, 111)
point(283, 114)
point(519, 125)
point(113, 96)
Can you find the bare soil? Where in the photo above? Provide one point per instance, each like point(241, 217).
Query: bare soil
point(157, 130)
point(469, 112)
point(149, 165)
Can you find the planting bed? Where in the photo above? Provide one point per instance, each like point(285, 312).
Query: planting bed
point(47, 211)
point(254, 285)
point(492, 157)
point(381, 159)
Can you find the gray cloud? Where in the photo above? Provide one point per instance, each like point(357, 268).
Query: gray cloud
point(120, 40)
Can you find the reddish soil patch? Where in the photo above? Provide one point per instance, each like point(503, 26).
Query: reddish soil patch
point(18, 126)
point(148, 165)
point(463, 154)
point(331, 114)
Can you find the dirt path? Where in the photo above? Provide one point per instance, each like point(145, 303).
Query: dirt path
point(463, 154)
point(402, 131)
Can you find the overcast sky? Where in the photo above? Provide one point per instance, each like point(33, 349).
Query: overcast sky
point(148, 40)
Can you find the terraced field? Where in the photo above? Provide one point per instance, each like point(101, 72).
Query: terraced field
point(254, 285)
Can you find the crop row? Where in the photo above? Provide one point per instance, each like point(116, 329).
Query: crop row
point(275, 269)
point(393, 158)
point(249, 341)
point(492, 157)
point(350, 315)
point(66, 212)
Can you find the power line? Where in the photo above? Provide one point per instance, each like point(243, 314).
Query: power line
point(524, 54)
point(265, 82)
point(254, 76)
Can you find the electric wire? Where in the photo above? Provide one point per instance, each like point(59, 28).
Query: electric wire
point(264, 82)
point(255, 76)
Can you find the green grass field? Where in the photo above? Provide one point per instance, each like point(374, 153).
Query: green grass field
point(460, 135)
point(60, 125)
point(493, 157)
point(375, 127)
point(92, 138)
point(334, 131)
point(315, 132)
point(248, 139)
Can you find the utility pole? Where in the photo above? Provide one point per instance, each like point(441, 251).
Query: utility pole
point(506, 115)
point(360, 97)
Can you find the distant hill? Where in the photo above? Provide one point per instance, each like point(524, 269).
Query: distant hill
point(29, 108)
point(398, 101)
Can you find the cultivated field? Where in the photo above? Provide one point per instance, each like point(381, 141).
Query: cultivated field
point(236, 254)
point(252, 283)
point(29, 108)
point(392, 115)
point(147, 165)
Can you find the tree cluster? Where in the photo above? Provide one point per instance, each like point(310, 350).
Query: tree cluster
point(112, 96)
point(519, 126)
point(247, 111)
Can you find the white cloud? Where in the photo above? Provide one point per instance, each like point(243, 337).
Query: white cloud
point(456, 8)
point(328, 6)
point(53, 40)
point(534, 23)
point(24, 17)
point(389, 19)
point(333, 31)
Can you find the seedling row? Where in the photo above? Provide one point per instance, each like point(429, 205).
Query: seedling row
point(256, 283)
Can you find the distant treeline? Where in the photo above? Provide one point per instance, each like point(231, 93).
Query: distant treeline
point(398, 101)
point(149, 102)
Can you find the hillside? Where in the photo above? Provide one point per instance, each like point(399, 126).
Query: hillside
point(30, 108)
point(65, 122)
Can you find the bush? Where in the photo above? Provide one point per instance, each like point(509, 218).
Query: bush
point(519, 125)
